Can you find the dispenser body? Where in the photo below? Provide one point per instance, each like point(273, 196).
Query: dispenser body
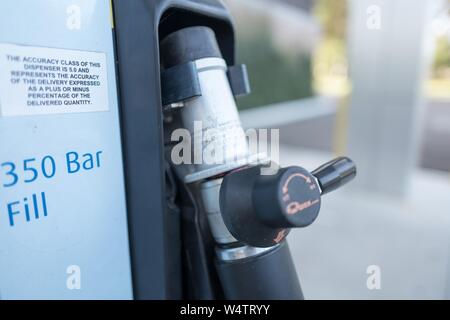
point(84, 191)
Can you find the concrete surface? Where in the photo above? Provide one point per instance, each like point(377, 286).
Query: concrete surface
point(435, 149)
point(409, 240)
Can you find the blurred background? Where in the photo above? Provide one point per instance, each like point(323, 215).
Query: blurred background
point(369, 79)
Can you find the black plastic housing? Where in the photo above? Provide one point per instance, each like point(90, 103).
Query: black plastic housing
point(154, 228)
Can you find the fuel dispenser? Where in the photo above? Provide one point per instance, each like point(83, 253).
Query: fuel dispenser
point(96, 98)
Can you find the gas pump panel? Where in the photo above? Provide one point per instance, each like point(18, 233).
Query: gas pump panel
point(63, 218)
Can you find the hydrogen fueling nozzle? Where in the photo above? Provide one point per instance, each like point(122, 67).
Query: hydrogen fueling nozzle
point(242, 205)
point(249, 213)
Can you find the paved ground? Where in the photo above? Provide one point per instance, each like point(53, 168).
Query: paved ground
point(408, 239)
point(436, 136)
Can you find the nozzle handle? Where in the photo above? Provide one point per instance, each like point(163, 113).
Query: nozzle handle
point(335, 174)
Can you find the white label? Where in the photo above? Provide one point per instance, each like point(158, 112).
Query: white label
point(40, 81)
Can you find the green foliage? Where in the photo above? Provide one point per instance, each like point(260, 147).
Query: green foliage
point(442, 56)
point(275, 76)
point(332, 15)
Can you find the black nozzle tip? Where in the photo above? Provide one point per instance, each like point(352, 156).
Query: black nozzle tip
point(335, 174)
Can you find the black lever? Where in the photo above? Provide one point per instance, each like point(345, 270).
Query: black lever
point(335, 174)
